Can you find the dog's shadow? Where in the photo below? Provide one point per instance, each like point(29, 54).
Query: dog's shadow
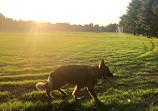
point(61, 102)
point(69, 104)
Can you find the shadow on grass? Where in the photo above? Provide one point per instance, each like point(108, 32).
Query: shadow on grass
point(40, 102)
point(64, 105)
point(139, 81)
point(150, 98)
point(116, 106)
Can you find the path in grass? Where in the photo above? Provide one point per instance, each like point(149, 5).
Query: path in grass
point(26, 58)
point(69, 56)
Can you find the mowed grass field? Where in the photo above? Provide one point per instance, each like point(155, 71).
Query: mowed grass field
point(27, 58)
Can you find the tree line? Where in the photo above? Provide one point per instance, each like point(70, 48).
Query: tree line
point(8, 24)
point(141, 18)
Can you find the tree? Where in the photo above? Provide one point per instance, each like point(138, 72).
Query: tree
point(2, 20)
point(141, 17)
point(147, 18)
point(8, 24)
point(129, 21)
point(111, 28)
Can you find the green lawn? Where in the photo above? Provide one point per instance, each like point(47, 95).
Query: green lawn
point(26, 58)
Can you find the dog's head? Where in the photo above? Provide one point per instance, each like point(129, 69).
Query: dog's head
point(104, 69)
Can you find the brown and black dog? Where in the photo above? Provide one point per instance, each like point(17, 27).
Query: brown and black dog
point(79, 75)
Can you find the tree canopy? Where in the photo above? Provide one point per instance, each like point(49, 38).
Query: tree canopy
point(141, 18)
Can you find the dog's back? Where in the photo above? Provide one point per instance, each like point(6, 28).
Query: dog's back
point(74, 74)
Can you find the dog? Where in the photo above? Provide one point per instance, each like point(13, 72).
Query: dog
point(78, 75)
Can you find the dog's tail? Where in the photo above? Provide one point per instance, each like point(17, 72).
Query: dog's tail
point(41, 86)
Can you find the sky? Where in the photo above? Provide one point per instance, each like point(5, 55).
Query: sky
point(102, 12)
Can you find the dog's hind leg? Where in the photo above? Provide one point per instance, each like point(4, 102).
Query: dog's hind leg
point(49, 95)
point(62, 92)
point(93, 94)
point(76, 90)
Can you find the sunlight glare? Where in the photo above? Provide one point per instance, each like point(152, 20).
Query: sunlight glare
point(72, 11)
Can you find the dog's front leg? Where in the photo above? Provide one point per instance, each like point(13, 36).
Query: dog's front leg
point(93, 94)
point(49, 95)
point(76, 90)
point(62, 92)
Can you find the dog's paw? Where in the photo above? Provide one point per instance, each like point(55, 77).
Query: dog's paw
point(77, 99)
point(98, 102)
point(50, 96)
point(65, 94)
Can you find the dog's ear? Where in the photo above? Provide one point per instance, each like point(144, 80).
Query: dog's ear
point(101, 64)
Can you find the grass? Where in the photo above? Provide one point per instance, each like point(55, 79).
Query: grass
point(26, 58)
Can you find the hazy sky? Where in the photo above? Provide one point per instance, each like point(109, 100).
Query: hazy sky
point(100, 12)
